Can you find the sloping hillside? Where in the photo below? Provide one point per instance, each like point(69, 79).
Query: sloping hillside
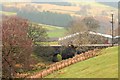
point(62, 15)
point(102, 66)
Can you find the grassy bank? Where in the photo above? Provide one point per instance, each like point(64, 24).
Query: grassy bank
point(102, 66)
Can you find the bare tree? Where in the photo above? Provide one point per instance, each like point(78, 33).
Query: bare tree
point(91, 23)
point(82, 27)
point(77, 26)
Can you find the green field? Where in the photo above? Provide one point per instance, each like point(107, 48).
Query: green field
point(7, 13)
point(47, 43)
point(102, 66)
point(93, 4)
point(54, 31)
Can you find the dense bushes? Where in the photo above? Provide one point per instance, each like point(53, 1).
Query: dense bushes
point(64, 53)
point(44, 52)
point(57, 54)
point(68, 52)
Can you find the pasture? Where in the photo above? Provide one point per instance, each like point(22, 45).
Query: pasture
point(8, 13)
point(48, 43)
point(54, 31)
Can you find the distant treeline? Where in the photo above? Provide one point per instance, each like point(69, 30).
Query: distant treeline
point(112, 4)
point(55, 3)
point(46, 17)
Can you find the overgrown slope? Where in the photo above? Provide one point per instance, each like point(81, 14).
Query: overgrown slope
point(102, 66)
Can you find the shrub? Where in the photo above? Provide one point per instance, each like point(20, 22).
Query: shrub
point(59, 57)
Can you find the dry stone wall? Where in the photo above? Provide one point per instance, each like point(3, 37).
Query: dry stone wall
point(64, 63)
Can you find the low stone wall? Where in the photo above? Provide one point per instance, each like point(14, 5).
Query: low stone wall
point(64, 63)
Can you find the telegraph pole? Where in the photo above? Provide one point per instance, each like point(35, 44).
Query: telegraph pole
point(112, 28)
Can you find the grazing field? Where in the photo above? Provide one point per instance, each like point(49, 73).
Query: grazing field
point(54, 31)
point(48, 43)
point(102, 66)
point(7, 13)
